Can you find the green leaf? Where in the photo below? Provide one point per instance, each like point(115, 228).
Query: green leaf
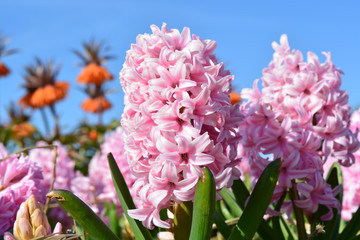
point(258, 203)
point(111, 213)
point(82, 214)
point(352, 228)
point(241, 194)
point(182, 219)
point(140, 232)
point(275, 220)
point(230, 200)
point(331, 227)
point(221, 225)
point(204, 207)
point(286, 229)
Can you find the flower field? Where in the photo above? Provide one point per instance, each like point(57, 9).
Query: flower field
point(190, 157)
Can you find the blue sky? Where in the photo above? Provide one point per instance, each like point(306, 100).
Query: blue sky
point(244, 33)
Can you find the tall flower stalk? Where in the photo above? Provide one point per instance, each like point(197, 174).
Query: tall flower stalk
point(43, 89)
point(94, 75)
point(4, 51)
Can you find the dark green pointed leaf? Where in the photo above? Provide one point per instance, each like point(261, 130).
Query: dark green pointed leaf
point(221, 225)
point(204, 207)
point(258, 203)
point(182, 219)
point(331, 227)
point(230, 200)
point(82, 214)
point(111, 213)
point(241, 193)
point(122, 190)
point(352, 228)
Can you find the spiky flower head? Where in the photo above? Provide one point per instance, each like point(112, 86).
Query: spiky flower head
point(4, 51)
point(93, 59)
point(41, 85)
point(97, 101)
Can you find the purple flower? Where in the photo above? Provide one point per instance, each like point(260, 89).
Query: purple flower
point(19, 179)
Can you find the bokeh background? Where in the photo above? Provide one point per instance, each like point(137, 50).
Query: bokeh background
point(244, 33)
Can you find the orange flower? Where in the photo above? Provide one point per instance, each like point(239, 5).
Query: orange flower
point(22, 130)
point(96, 105)
point(234, 97)
point(94, 73)
point(45, 96)
point(93, 135)
point(41, 85)
point(3, 70)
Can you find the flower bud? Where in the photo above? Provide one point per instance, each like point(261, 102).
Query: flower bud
point(31, 221)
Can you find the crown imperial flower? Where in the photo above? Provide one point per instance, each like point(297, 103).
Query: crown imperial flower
point(177, 119)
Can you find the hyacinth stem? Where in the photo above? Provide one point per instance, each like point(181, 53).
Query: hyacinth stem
point(27, 149)
point(56, 119)
point(182, 219)
point(299, 215)
point(100, 119)
point(46, 122)
point(53, 179)
point(204, 207)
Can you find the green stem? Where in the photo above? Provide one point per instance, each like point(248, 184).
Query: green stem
point(182, 219)
point(46, 122)
point(299, 215)
point(56, 120)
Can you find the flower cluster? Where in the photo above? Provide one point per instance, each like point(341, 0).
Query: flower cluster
point(178, 118)
point(64, 165)
point(351, 175)
point(19, 179)
point(98, 188)
point(64, 173)
point(94, 75)
point(41, 85)
point(302, 116)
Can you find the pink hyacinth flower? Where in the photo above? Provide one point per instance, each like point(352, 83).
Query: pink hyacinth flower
point(302, 116)
point(351, 175)
point(177, 119)
point(97, 188)
point(19, 179)
point(65, 172)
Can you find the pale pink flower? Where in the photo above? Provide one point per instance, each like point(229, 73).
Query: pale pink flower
point(97, 188)
point(177, 119)
point(302, 116)
point(65, 172)
point(64, 165)
point(19, 179)
point(351, 175)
